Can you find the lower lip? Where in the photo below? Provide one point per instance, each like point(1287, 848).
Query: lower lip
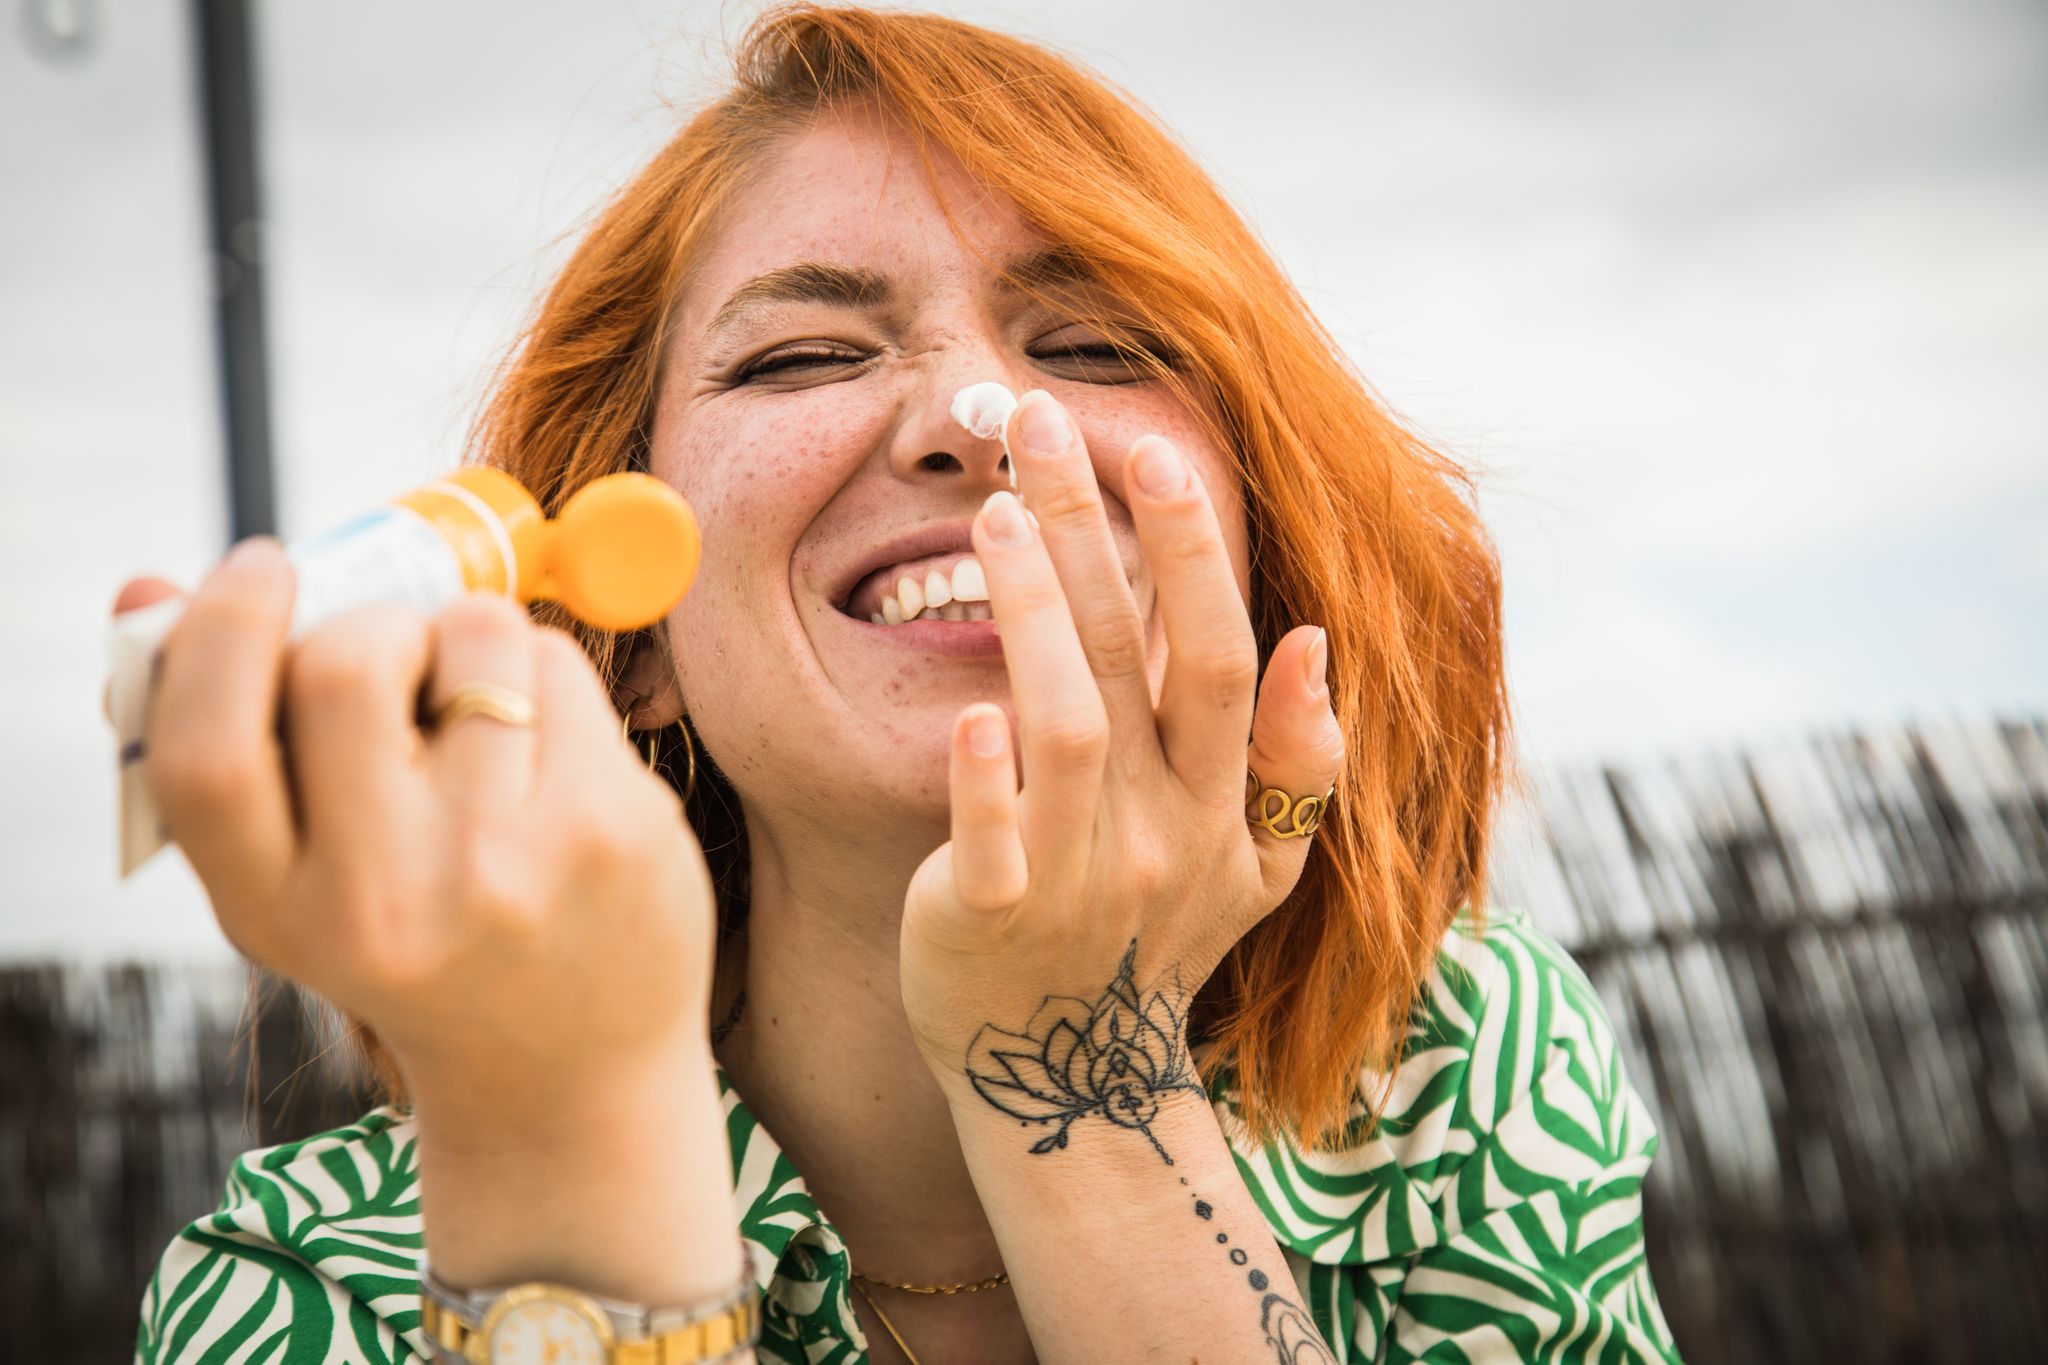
point(967, 638)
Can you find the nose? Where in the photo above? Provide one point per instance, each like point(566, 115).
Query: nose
point(930, 445)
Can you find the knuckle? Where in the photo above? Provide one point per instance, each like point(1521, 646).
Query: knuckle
point(481, 615)
point(605, 836)
point(328, 665)
point(1227, 668)
point(1233, 666)
point(1145, 873)
point(381, 627)
point(1066, 501)
point(353, 650)
point(377, 932)
point(231, 606)
point(491, 881)
point(188, 774)
point(1116, 649)
point(1075, 737)
point(1190, 544)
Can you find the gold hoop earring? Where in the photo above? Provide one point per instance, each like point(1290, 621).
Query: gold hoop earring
point(648, 753)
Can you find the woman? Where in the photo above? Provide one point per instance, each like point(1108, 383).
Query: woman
point(1039, 988)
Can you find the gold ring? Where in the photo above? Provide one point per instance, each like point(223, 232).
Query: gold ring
point(1265, 807)
point(485, 699)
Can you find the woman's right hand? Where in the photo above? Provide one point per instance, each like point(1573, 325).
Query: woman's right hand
point(504, 905)
point(522, 914)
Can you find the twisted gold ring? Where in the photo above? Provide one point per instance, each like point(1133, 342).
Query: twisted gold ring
point(1265, 807)
point(485, 699)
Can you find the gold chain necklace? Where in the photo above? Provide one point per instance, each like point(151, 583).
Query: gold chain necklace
point(964, 1287)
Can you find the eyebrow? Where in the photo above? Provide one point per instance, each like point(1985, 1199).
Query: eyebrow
point(804, 282)
point(1053, 268)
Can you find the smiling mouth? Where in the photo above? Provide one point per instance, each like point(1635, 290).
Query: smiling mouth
point(948, 587)
point(941, 587)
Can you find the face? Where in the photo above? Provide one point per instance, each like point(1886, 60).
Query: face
point(804, 412)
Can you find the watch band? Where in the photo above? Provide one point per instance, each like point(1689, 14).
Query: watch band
point(456, 1323)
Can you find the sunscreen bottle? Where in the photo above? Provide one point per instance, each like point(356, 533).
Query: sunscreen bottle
point(620, 556)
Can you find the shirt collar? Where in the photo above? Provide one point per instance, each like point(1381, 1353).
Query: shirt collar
point(800, 1264)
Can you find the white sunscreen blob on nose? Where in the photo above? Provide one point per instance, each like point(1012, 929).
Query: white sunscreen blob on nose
point(984, 409)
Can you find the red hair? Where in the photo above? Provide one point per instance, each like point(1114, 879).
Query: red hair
point(1355, 523)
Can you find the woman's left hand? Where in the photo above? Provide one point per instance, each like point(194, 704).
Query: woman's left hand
point(1099, 896)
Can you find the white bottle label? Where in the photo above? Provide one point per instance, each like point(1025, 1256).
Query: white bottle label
point(389, 555)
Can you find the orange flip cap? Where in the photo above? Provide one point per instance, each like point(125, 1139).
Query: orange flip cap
point(621, 554)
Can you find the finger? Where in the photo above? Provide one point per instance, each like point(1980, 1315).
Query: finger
point(212, 761)
point(479, 762)
point(134, 595)
point(352, 690)
point(1064, 731)
point(578, 725)
point(1058, 480)
point(1297, 749)
point(1212, 656)
point(989, 868)
point(146, 591)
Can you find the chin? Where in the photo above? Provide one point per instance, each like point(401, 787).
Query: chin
point(907, 765)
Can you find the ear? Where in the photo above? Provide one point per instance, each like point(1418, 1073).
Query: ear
point(647, 692)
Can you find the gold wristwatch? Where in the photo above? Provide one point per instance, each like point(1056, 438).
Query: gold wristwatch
point(547, 1324)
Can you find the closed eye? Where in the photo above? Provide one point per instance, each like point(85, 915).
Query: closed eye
point(796, 361)
point(1108, 362)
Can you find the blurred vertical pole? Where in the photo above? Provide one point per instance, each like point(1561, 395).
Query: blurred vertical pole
point(224, 42)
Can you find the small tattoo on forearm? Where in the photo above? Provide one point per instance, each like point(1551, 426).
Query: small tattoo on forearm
point(1289, 1330)
point(1119, 1057)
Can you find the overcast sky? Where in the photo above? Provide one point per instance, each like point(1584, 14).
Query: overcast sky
point(1740, 311)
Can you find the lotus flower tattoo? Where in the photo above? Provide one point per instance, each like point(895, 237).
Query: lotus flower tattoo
point(1118, 1057)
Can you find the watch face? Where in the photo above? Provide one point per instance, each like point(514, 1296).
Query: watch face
point(545, 1332)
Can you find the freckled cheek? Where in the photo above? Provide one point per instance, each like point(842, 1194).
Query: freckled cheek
point(763, 471)
point(756, 486)
point(1111, 438)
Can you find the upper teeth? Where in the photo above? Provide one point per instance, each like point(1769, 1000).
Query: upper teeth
point(959, 597)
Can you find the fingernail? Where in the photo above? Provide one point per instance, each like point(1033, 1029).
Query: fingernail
point(987, 733)
point(1004, 517)
point(1316, 665)
point(1160, 469)
point(1042, 427)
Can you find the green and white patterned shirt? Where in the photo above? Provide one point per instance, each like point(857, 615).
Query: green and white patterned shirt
point(1495, 1216)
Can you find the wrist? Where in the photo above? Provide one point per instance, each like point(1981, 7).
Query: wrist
point(510, 1115)
point(615, 1182)
point(587, 1329)
point(1062, 1074)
